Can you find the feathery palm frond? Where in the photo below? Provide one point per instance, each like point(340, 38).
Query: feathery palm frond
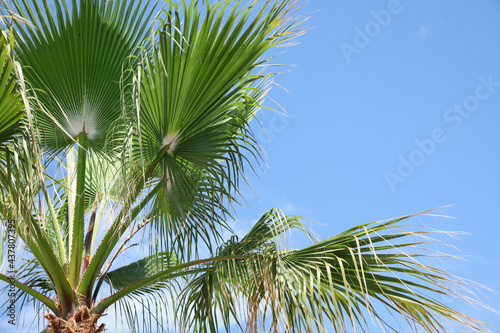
point(338, 280)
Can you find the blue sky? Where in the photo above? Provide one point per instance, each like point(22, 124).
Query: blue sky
point(391, 115)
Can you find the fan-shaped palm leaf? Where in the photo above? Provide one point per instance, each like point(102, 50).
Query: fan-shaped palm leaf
point(11, 99)
point(76, 55)
point(196, 94)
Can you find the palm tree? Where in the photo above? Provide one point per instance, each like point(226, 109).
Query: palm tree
point(118, 125)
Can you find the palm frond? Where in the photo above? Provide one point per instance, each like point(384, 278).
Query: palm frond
point(196, 91)
point(11, 99)
point(127, 275)
point(337, 280)
point(186, 151)
point(153, 301)
point(76, 57)
point(31, 274)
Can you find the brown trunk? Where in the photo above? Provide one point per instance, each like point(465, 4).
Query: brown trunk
point(81, 322)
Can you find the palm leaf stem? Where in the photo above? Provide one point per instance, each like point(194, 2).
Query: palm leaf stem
point(119, 226)
point(105, 303)
point(57, 228)
point(36, 241)
point(115, 255)
point(79, 221)
point(30, 291)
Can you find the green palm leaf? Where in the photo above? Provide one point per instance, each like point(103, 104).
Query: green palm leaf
point(11, 99)
point(338, 279)
point(32, 275)
point(76, 57)
point(134, 272)
point(151, 301)
point(196, 92)
point(76, 61)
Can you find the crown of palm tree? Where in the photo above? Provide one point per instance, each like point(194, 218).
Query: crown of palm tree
point(114, 120)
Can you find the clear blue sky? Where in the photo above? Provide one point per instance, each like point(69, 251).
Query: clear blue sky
point(400, 118)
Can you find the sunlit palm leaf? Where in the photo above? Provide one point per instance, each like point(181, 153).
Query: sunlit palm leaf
point(213, 295)
point(191, 130)
point(76, 55)
point(11, 100)
point(340, 278)
point(77, 62)
point(196, 93)
point(11, 112)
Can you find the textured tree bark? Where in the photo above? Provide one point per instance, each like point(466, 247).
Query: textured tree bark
point(81, 322)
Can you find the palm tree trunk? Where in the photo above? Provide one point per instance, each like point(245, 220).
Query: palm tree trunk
point(81, 322)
